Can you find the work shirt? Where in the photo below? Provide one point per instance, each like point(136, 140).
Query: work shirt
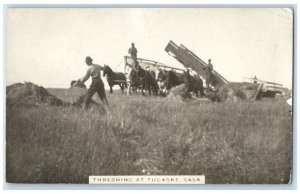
point(93, 71)
point(132, 51)
point(208, 69)
point(210, 66)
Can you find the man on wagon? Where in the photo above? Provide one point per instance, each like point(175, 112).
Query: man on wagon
point(208, 73)
point(133, 52)
point(97, 85)
point(255, 79)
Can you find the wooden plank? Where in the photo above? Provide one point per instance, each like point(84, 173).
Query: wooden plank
point(151, 63)
point(203, 63)
point(191, 60)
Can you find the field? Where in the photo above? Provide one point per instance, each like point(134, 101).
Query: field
point(242, 142)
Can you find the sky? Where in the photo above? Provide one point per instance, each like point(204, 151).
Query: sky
point(48, 46)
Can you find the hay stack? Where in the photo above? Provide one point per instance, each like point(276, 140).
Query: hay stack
point(29, 93)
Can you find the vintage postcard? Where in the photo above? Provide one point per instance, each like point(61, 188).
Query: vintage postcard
point(149, 96)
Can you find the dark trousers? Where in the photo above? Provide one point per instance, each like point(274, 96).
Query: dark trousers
point(96, 86)
point(133, 57)
point(208, 80)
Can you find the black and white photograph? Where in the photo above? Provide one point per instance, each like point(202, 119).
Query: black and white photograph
point(149, 95)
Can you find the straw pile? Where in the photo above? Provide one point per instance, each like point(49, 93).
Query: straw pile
point(234, 92)
point(228, 93)
point(30, 94)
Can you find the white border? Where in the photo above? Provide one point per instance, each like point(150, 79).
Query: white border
point(146, 3)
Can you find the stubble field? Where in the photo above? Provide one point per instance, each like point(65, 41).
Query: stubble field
point(242, 142)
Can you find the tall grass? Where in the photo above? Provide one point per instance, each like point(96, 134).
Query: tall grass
point(244, 142)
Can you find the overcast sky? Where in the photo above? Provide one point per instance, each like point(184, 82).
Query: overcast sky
point(48, 46)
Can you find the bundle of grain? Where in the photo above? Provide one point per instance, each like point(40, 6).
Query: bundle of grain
point(77, 84)
point(249, 90)
point(29, 93)
point(75, 95)
point(249, 93)
point(229, 93)
point(179, 92)
point(225, 93)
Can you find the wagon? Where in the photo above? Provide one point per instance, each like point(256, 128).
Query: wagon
point(152, 65)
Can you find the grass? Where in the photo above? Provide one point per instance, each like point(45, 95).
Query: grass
point(243, 142)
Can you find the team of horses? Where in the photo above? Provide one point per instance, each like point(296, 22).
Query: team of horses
point(157, 82)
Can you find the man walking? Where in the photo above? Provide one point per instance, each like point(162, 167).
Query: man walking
point(97, 85)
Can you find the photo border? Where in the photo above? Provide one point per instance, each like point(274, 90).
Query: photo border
point(291, 186)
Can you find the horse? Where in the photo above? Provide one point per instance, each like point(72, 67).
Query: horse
point(146, 79)
point(153, 83)
point(114, 78)
point(168, 79)
point(193, 84)
point(132, 81)
point(160, 78)
point(174, 79)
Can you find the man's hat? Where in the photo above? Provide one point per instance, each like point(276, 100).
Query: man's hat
point(88, 58)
